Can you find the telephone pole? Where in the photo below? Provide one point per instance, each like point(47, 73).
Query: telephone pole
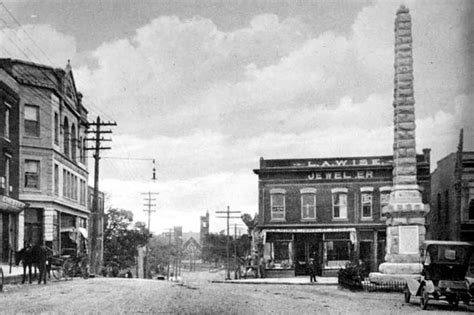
point(97, 242)
point(228, 216)
point(148, 204)
point(169, 234)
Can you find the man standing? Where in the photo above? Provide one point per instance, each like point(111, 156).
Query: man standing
point(312, 270)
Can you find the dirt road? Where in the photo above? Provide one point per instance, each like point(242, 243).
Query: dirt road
point(197, 295)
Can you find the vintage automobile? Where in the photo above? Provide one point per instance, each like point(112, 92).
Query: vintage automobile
point(445, 264)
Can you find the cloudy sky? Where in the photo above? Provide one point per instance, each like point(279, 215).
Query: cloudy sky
point(208, 87)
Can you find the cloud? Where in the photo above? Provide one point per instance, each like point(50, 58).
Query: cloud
point(38, 43)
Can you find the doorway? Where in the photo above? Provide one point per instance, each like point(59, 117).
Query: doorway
point(307, 246)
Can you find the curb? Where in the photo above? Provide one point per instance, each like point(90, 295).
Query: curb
point(271, 282)
point(12, 279)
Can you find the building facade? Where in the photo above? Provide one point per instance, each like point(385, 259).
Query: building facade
point(327, 209)
point(452, 198)
point(52, 168)
point(10, 206)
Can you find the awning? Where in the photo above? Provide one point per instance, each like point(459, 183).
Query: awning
point(351, 230)
point(11, 205)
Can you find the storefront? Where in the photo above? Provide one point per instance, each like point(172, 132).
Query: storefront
point(10, 210)
point(329, 210)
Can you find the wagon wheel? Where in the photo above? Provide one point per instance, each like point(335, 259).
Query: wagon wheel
point(57, 272)
point(407, 294)
point(84, 265)
point(1, 279)
point(424, 297)
point(68, 269)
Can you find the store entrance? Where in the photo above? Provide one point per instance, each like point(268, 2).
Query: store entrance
point(307, 246)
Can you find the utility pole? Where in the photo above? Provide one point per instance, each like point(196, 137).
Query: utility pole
point(228, 213)
point(148, 204)
point(170, 234)
point(97, 242)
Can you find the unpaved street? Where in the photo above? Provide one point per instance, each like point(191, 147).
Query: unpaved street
point(196, 295)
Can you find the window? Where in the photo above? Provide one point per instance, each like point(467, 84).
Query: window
point(471, 209)
point(56, 128)
point(366, 202)
point(308, 203)
point(56, 179)
point(339, 203)
point(384, 197)
point(56, 235)
point(73, 142)
point(277, 204)
point(446, 207)
point(65, 183)
point(6, 191)
point(82, 197)
point(438, 206)
point(66, 136)
point(32, 174)
point(32, 126)
point(6, 125)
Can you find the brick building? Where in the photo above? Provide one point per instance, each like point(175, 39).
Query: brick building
point(452, 198)
point(327, 209)
point(52, 162)
point(10, 206)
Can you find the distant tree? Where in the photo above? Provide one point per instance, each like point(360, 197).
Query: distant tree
point(214, 247)
point(122, 238)
point(250, 222)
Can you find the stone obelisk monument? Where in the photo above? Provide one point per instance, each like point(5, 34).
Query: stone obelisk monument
point(405, 211)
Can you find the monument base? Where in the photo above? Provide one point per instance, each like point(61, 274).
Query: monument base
point(400, 268)
point(382, 278)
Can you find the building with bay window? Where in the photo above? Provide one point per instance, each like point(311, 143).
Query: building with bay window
point(52, 165)
point(326, 209)
point(10, 207)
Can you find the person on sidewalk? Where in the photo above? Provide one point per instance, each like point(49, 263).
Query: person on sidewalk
point(312, 270)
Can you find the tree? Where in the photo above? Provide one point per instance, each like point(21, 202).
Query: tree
point(214, 247)
point(122, 238)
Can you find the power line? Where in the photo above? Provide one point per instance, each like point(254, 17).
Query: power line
point(228, 216)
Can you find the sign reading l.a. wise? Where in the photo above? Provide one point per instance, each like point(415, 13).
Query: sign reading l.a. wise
point(344, 162)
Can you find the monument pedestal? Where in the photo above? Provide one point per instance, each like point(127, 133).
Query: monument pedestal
point(405, 234)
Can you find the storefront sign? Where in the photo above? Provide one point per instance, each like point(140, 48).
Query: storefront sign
point(344, 162)
point(10, 204)
point(340, 175)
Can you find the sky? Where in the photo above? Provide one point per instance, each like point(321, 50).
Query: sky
point(208, 87)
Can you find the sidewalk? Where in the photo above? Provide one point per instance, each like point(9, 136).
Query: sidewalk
point(291, 281)
point(15, 276)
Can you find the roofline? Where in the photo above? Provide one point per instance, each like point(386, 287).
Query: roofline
point(30, 63)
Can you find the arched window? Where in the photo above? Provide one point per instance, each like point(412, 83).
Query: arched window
point(66, 136)
point(73, 142)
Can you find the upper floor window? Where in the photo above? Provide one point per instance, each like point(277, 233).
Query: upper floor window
point(339, 203)
point(366, 201)
point(438, 206)
point(471, 209)
point(73, 142)
point(56, 128)
point(6, 188)
point(308, 203)
point(384, 197)
point(32, 174)
point(446, 207)
point(56, 179)
point(66, 136)
point(277, 200)
point(6, 124)
point(32, 121)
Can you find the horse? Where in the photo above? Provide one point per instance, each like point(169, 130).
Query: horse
point(37, 256)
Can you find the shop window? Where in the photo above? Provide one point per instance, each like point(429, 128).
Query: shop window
point(366, 202)
point(277, 200)
point(308, 203)
point(32, 121)
point(56, 236)
point(339, 203)
point(33, 226)
point(338, 251)
point(32, 174)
